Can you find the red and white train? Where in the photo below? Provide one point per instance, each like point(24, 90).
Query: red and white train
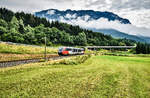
point(70, 51)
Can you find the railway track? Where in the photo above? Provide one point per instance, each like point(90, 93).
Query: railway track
point(26, 61)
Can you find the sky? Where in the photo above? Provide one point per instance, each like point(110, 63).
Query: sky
point(137, 11)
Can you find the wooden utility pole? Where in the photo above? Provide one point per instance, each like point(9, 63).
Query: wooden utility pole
point(45, 49)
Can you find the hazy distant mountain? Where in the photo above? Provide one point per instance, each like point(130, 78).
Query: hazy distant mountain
point(118, 34)
point(147, 39)
point(88, 15)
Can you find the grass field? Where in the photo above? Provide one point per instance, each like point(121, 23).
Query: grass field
point(19, 52)
point(125, 53)
point(22, 49)
point(98, 77)
point(11, 57)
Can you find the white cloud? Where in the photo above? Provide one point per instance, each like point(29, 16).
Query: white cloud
point(51, 12)
point(74, 16)
point(103, 23)
point(108, 1)
point(140, 18)
point(69, 16)
point(86, 17)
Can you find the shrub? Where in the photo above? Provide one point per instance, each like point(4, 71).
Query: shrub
point(72, 61)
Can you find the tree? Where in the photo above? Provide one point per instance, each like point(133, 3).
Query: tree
point(2, 30)
point(30, 38)
point(65, 38)
point(29, 35)
point(80, 39)
point(14, 23)
point(142, 48)
point(6, 14)
point(28, 29)
point(122, 44)
point(21, 26)
point(13, 36)
point(39, 28)
point(3, 23)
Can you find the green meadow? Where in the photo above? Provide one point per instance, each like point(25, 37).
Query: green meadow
point(97, 77)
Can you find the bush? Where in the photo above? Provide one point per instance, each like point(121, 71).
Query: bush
point(72, 61)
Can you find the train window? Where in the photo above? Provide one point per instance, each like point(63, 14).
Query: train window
point(77, 50)
point(60, 49)
point(68, 49)
point(74, 50)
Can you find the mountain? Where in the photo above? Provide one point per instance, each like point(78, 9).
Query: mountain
point(90, 15)
point(54, 14)
point(147, 39)
point(118, 34)
point(26, 28)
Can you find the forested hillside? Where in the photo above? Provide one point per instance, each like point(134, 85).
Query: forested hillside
point(143, 48)
point(26, 28)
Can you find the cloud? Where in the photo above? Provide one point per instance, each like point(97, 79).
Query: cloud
point(31, 6)
point(86, 17)
point(103, 23)
point(24, 5)
point(119, 4)
point(137, 11)
point(139, 18)
point(68, 16)
point(109, 5)
point(51, 12)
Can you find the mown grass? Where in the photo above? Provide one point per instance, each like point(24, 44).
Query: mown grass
point(125, 53)
point(21, 49)
point(98, 77)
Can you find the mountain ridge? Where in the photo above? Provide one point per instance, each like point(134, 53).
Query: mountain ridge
point(118, 34)
point(88, 15)
point(26, 28)
point(80, 13)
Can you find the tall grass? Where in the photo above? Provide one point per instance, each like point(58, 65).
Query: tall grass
point(72, 60)
point(12, 57)
point(21, 49)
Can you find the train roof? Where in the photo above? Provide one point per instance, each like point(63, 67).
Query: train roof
point(70, 47)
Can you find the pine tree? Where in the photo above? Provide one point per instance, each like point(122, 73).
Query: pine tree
point(3, 23)
point(21, 26)
point(14, 23)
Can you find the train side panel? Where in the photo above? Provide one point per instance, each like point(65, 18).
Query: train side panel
point(70, 51)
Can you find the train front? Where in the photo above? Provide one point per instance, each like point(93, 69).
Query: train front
point(63, 51)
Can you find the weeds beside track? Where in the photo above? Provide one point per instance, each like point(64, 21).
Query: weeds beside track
point(77, 60)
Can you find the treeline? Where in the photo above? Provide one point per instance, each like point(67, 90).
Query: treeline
point(29, 29)
point(143, 48)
